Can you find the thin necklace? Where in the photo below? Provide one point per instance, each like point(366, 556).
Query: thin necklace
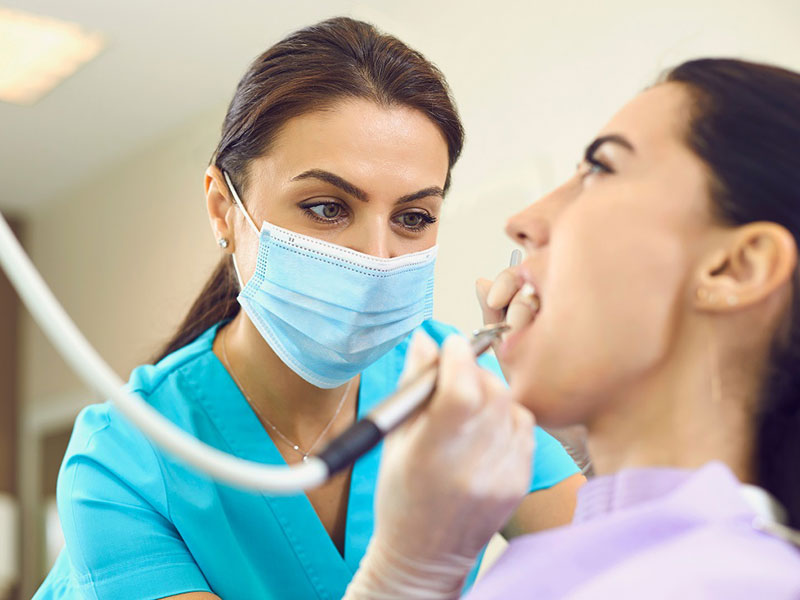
point(254, 406)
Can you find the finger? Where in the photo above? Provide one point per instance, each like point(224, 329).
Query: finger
point(495, 391)
point(458, 392)
point(523, 307)
point(523, 446)
point(503, 289)
point(422, 352)
point(495, 413)
point(524, 420)
point(490, 315)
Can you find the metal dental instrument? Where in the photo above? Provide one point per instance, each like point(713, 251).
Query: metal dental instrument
point(97, 374)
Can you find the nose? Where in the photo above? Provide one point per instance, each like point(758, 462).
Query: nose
point(371, 237)
point(532, 226)
point(529, 228)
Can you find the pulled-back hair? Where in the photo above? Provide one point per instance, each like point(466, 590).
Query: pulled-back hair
point(310, 70)
point(746, 128)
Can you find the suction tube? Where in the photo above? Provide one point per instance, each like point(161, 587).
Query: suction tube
point(97, 374)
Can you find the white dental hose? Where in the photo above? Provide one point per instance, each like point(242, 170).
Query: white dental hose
point(97, 374)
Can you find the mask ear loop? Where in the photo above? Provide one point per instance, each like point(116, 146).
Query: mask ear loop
point(240, 205)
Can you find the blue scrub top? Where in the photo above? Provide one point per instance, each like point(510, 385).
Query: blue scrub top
point(140, 524)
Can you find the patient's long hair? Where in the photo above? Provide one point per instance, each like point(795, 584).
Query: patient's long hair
point(746, 128)
point(310, 70)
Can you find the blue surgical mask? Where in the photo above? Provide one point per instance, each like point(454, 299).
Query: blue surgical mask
point(328, 311)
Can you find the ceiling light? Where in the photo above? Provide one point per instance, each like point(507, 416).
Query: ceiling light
point(37, 53)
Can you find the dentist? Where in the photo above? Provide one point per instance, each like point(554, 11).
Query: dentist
point(323, 196)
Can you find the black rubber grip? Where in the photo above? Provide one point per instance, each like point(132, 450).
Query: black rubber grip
point(356, 441)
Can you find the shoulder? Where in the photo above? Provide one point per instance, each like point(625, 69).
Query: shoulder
point(105, 446)
point(741, 556)
point(717, 561)
point(438, 331)
point(147, 379)
point(161, 385)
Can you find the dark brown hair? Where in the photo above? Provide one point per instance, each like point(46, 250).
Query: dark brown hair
point(746, 128)
point(309, 70)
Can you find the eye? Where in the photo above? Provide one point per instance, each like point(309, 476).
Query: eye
point(592, 165)
point(415, 221)
point(597, 167)
point(325, 212)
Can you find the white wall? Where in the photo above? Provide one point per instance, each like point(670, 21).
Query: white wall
point(127, 250)
point(125, 253)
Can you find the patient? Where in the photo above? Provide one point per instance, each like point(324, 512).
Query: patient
point(658, 305)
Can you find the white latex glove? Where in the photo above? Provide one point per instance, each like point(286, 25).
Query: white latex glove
point(449, 479)
point(509, 298)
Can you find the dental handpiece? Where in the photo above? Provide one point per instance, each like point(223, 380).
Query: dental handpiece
point(365, 434)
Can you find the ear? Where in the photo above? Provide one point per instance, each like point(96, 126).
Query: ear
point(756, 260)
point(220, 208)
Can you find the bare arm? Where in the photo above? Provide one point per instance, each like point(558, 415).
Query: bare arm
point(194, 596)
point(545, 509)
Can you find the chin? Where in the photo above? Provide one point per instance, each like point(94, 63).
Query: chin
point(557, 398)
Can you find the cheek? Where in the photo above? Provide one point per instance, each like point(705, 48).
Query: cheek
point(425, 239)
point(609, 311)
point(246, 252)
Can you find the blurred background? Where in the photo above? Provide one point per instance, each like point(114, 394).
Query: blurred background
point(102, 176)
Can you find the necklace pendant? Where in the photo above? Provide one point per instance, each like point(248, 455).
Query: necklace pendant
point(305, 457)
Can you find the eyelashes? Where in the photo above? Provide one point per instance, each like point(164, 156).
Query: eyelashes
point(334, 213)
point(594, 164)
point(416, 220)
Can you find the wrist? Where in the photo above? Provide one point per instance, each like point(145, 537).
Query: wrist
point(387, 574)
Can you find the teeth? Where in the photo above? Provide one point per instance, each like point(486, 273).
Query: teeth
point(527, 294)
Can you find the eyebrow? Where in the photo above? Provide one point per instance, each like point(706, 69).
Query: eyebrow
point(612, 139)
point(434, 190)
point(357, 192)
point(334, 180)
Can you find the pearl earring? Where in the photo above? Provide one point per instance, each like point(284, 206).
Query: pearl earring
point(223, 243)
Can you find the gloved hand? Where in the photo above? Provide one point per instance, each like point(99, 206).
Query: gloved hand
point(509, 298)
point(450, 478)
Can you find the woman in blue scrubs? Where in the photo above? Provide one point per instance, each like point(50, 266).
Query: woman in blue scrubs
point(323, 197)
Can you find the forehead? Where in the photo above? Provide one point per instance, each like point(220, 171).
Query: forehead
point(361, 132)
point(656, 120)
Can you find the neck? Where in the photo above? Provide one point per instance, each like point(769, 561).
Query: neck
point(298, 409)
point(675, 417)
